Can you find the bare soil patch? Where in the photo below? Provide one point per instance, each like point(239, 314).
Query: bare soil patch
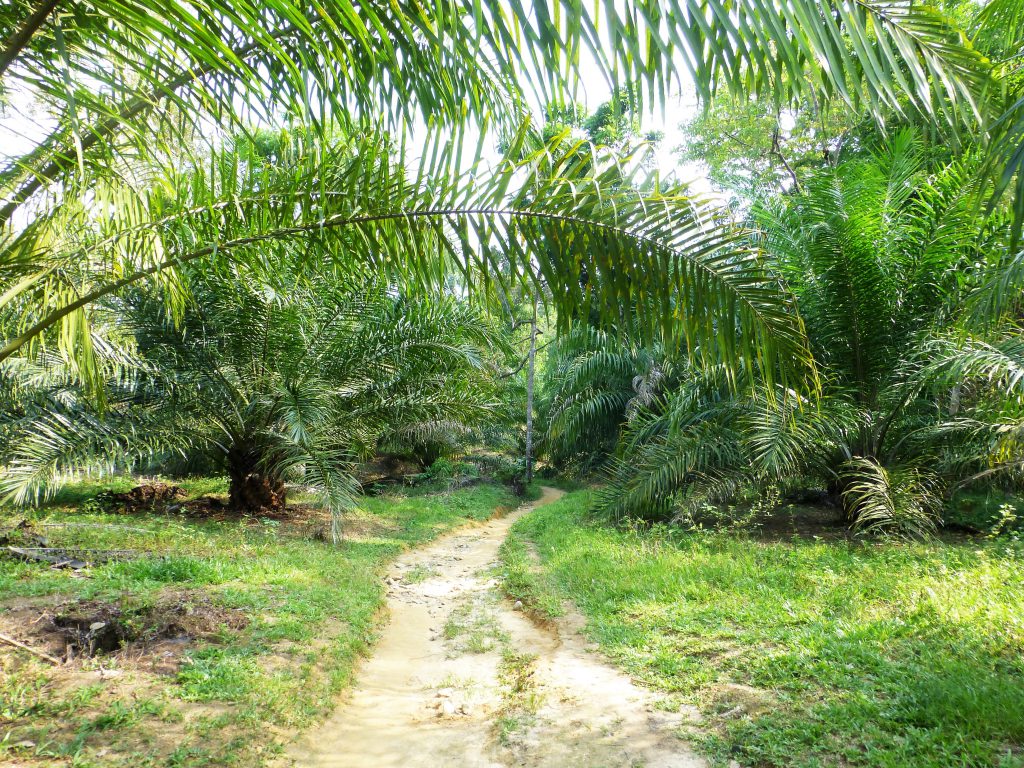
point(153, 636)
point(805, 522)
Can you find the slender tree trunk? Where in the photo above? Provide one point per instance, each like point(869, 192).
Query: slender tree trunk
point(954, 399)
point(529, 393)
point(250, 488)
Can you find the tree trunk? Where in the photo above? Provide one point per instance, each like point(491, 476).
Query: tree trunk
point(250, 489)
point(834, 494)
point(529, 393)
point(954, 399)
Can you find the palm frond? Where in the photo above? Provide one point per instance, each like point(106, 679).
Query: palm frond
point(902, 500)
point(998, 364)
point(599, 242)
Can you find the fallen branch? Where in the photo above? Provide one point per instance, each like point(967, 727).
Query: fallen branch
point(42, 555)
point(33, 651)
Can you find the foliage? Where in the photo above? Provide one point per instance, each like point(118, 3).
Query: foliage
point(596, 381)
point(904, 498)
point(128, 116)
point(572, 207)
point(615, 124)
point(751, 146)
point(750, 139)
point(264, 55)
point(135, 183)
point(273, 379)
point(880, 256)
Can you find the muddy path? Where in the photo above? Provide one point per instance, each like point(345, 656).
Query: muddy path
point(462, 679)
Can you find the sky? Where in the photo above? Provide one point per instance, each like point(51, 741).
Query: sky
point(21, 126)
point(593, 91)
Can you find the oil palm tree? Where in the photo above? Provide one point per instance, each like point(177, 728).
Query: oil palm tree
point(269, 378)
point(880, 255)
point(596, 382)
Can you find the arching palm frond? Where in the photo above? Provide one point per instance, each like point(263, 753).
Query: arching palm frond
point(600, 248)
point(645, 481)
point(998, 363)
point(789, 437)
point(902, 499)
point(137, 83)
point(326, 61)
point(982, 380)
point(67, 438)
point(596, 382)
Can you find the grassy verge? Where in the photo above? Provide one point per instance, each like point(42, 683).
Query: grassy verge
point(802, 652)
point(523, 580)
point(287, 617)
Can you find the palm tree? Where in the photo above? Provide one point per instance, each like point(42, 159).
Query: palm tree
point(597, 382)
point(130, 182)
point(268, 377)
point(880, 256)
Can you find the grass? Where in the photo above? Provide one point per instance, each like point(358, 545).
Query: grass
point(312, 611)
point(419, 574)
point(473, 627)
point(522, 580)
point(520, 699)
point(801, 652)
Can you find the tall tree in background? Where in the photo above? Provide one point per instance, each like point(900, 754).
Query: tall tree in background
point(751, 146)
point(750, 143)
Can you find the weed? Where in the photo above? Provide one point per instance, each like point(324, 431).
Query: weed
point(476, 628)
point(419, 574)
point(520, 698)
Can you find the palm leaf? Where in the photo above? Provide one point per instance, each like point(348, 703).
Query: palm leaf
point(574, 217)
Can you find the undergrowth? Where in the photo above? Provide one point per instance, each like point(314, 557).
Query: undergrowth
point(802, 652)
point(312, 608)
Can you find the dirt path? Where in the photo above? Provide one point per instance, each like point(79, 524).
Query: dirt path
point(460, 679)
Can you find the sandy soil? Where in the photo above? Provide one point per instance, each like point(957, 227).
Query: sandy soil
point(461, 678)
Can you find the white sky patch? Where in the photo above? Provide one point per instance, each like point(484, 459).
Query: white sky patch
point(23, 125)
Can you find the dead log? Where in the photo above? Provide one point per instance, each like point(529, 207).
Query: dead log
point(70, 558)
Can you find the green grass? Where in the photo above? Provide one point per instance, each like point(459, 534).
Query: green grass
point(522, 580)
point(473, 627)
point(313, 610)
point(803, 652)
